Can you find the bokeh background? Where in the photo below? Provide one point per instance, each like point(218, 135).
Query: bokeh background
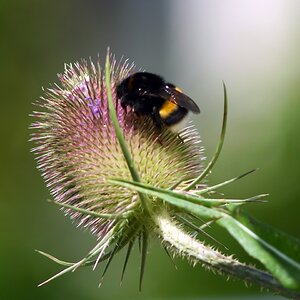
point(252, 45)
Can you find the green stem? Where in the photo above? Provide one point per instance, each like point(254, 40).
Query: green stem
point(219, 148)
point(182, 243)
point(118, 131)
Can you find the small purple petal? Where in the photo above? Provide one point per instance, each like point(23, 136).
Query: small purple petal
point(94, 104)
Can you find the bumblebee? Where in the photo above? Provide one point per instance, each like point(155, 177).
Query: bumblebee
point(149, 94)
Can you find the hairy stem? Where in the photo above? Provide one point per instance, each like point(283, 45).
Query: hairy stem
point(183, 244)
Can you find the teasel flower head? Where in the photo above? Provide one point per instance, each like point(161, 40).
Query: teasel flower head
point(121, 177)
point(78, 153)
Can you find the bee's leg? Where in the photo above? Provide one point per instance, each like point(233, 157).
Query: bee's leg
point(180, 138)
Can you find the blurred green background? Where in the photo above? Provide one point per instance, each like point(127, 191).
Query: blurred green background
point(252, 45)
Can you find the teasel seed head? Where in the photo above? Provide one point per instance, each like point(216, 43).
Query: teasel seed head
point(77, 149)
point(121, 177)
point(78, 152)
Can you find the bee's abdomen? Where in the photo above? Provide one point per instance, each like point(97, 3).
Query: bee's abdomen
point(171, 113)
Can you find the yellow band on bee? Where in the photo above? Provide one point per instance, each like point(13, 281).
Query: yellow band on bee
point(167, 108)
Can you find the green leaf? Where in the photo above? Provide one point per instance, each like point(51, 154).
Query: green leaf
point(198, 229)
point(92, 257)
point(219, 148)
point(112, 254)
point(222, 184)
point(257, 239)
point(278, 238)
point(115, 121)
point(56, 260)
point(119, 134)
point(157, 192)
point(124, 215)
point(95, 251)
point(130, 245)
point(276, 250)
point(143, 256)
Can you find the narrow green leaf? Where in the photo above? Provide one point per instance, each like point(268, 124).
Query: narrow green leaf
point(119, 134)
point(95, 251)
point(274, 236)
point(170, 256)
point(285, 268)
point(130, 245)
point(68, 263)
point(277, 251)
point(157, 192)
point(219, 148)
point(92, 213)
point(66, 270)
point(129, 234)
point(143, 256)
point(56, 260)
point(281, 264)
point(124, 239)
point(217, 186)
point(198, 230)
point(172, 198)
point(112, 254)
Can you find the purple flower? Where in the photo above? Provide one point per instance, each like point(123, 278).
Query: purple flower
point(78, 152)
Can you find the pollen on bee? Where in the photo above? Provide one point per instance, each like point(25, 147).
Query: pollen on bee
point(167, 108)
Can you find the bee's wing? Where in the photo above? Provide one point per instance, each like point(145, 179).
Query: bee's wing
point(171, 93)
